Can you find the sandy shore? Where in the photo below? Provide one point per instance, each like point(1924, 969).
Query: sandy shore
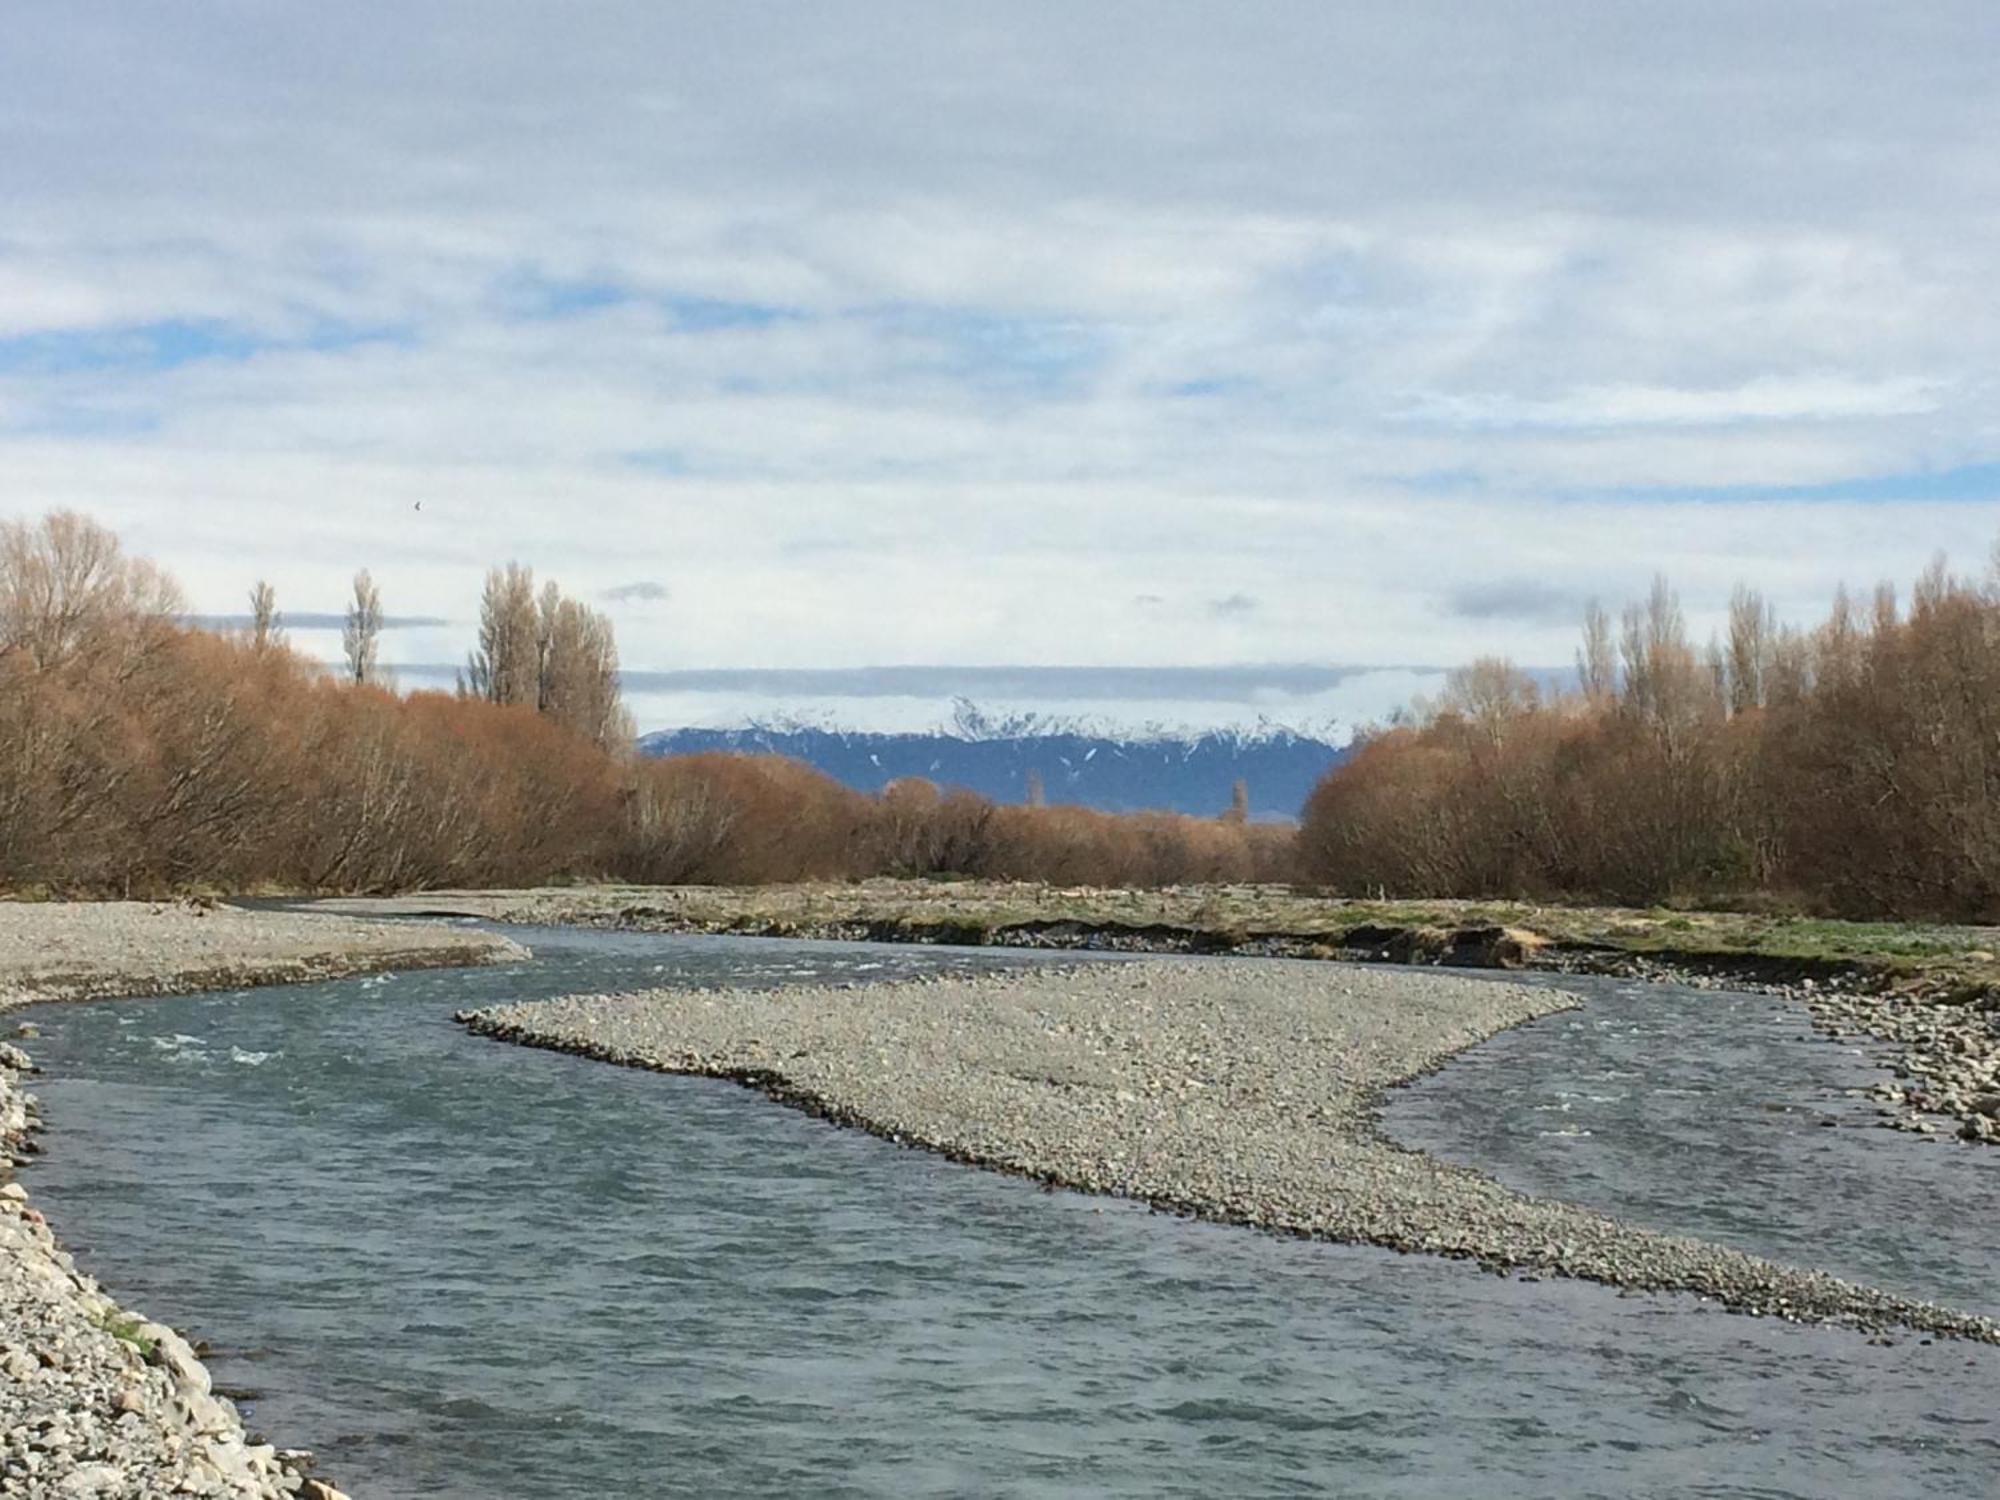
point(1242, 1092)
point(96, 1400)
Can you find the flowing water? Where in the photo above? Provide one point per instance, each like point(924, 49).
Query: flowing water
point(458, 1268)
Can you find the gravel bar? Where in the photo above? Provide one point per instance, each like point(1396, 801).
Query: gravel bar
point(96, 1400)
point(100, 950)
point(1244, 1092)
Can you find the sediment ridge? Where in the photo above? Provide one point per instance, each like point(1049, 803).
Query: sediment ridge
point(96, 1400)
point(1245, 1093)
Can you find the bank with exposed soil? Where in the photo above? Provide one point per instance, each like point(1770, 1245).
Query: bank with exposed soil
point(96, 1400)
point(1241, 1092)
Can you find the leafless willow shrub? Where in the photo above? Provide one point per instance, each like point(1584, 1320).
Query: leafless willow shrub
point(139, 756)
point(909, 837)
point(1854, 768)
point(726, 818)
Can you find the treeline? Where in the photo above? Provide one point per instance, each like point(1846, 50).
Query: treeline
point(1852, 768)
point(140, 755)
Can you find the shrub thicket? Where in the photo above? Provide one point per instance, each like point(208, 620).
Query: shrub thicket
point(140, 755)
point(1854, 768)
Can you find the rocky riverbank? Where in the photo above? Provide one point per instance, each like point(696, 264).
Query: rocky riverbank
point(1244, 1092)
point(96, 1400)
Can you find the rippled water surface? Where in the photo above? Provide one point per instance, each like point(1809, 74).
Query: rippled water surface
point(1713, 1114)
point(458, 1268)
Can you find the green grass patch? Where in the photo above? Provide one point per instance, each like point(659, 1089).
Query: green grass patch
point(125, 1328)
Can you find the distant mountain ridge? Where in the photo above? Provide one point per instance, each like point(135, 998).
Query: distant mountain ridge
point(1185, 772)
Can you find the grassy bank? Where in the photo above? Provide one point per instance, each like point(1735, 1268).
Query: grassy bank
point(1272, 919)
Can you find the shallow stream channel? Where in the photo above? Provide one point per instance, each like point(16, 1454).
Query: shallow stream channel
point(457, 1268)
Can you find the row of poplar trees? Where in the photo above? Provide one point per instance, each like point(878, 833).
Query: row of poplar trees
point(546, 651)
point(537, 649)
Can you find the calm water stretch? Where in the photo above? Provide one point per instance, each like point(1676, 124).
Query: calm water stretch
point(457, 1268)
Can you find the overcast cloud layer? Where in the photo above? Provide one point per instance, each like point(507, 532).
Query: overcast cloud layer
point(844, 335)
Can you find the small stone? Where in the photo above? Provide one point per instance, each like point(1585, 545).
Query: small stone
point(93, 1479)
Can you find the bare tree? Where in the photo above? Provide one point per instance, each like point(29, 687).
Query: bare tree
point(1717, 666)
point(578, 683)
point(1596, 666)
point(359, 635)
point(1239, 802)
point(1489, 694)
point(1753, 631)
point(265, 629)
point(67, 589)
point(507, 666)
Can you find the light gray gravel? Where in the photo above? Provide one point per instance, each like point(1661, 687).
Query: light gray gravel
point(1242, 1091)
point(88, 950)
point(94, 1400)
point(1947, 1057)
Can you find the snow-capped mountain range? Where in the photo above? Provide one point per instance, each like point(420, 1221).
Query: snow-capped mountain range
point(1113, 767)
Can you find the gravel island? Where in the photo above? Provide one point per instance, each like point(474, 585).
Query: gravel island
point(1242, 1091)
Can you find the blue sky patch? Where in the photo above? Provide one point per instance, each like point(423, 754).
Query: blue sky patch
point(168, 345)
point(670, 461)
point(1979, 481)
point(1045, 356)
point(535, 297)
point(707, 314)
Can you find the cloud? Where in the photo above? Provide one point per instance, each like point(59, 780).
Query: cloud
point(938, 337)
point(314, 620)
point(643, 591)
point(1516, 599)
point(1228, 683)
point(1792, 399)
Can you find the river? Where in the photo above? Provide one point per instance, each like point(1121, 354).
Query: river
point(455, 1268)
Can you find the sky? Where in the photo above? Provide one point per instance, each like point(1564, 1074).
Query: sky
point(841, 337)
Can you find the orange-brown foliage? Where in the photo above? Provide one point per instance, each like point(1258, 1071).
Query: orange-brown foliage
point(1855, 769)
point(138, 755)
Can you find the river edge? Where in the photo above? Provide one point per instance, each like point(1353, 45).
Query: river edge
point(99, 1400)
point(1245, 1093)
point(1932, 994)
